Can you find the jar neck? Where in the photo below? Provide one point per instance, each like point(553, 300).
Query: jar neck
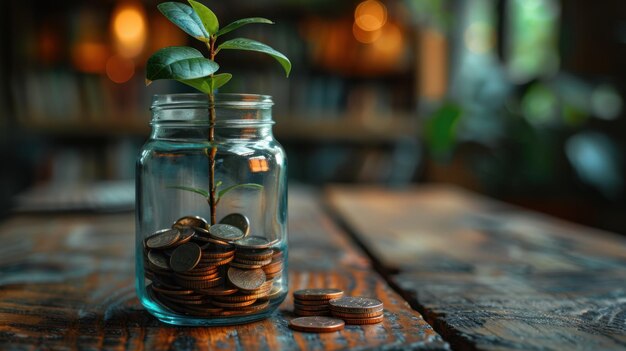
point(224, 116)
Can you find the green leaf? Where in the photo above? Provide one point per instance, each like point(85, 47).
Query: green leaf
point(193, 190)
point(252, 45)
point(218, 184)
point(232, 187)
point(208, 18)
point(208, 84)
point(185, 18)
point(178, 62)
point(241, 22)
point(440, 130)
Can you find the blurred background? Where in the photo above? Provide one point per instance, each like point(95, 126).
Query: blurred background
point(522, 100)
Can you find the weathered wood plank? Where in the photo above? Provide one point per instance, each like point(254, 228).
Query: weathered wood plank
point(490, 276)
point(66, 283)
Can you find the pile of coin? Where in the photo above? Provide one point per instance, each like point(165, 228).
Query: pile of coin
point(330, 302)
point(314, 302)
point(219, 270)
point(357, 310)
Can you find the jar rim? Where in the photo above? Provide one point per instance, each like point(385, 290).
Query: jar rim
point(197, 100)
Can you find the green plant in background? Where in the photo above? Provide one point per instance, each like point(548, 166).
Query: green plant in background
point(189, 66)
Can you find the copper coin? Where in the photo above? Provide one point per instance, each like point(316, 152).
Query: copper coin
point(252, 242)
point(225, 232)
point(316, 324)
point(185, 257)
point(273, 267)
point(302, 313)
point(197, 277)
point(236, 298)
point(166, 291)
point(222, 291)
point(267, 285)
point(192, 221)
point(311, 302)
point(186, 234)
point(253, 262)
point(360, 321)
point(311, 308)
point(245, 266)
point(216, 262)
point(182, 301)
point(356, 304)
point(317, 294)
point(217, 254)
point(203, 310)
point(257, 255)
point(273, 275)
point(158, 259)
point(199, 284)
point(255, 307)
point(247, 279)
point(357, 315)
point(163, 239)
point(232, 304)
point(237, 220)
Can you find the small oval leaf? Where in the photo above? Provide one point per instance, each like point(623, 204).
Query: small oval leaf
point(208, 84)
point(208, 18)
point(253, 45)
point(179, 62)
point(185, 18)
point(218, 80)
point(242, 22)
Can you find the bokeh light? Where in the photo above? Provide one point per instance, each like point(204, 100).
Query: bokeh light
point(120, 69)
point(129, 29)
point(370, 15)
point(89, 56)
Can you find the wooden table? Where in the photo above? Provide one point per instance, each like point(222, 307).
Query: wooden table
point(485, 275)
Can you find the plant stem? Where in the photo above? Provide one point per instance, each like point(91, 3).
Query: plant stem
point(212, 199)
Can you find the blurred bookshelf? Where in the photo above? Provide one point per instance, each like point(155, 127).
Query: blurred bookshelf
point(75, 81)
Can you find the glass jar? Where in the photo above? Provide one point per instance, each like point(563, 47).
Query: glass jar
point(204, 265)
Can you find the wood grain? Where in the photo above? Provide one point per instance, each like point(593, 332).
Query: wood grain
point(66, 283)
point(490, 276)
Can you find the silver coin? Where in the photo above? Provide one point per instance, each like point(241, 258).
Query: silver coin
point(238, 220)
point(252, 242)
point(225, 232)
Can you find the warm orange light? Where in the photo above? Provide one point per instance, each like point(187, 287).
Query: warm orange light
point(258, 164)
point(120, 69)
point(129, 29)
point(365, 37)
point(391, 41)
point(370, 15)
point(89, 57)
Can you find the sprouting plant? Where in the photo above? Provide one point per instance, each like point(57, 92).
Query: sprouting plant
point(189, 66)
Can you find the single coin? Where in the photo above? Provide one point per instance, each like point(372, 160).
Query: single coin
point(311, 308)
point(256, 255)
point(217, 254)
point(245, 266)
point(248, 279)
point(225, 232)
point(158, 259)
point(312, 302)
point(316, 324)
point(186, 234)
point(237, 220)
point(267, 285)
point(302, 313)
point(252, 242)
point(163, 239)
point(166, 291)
point(317, 294)
point(185, 257)
point(360, 321)
point(356, 315)
point(356, 304)
point(232, 304)
point(221, 291)
point(192, 221)
point(252, 262)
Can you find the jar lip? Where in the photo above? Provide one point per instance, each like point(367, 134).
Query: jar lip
point(197, 100)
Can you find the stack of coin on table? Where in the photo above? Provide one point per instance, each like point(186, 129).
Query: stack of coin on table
point(219, 270)
point(314, 305)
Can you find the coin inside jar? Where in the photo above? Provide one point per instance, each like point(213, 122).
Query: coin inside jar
point(246, 279)
point(225, 232)
point(237, 220)
point(316, 324)
point(191, 221)
point(158, 259)
point(252, 242)
point(185, 257)
point(163, 239)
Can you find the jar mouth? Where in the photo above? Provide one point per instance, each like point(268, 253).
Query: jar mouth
point(196, 100)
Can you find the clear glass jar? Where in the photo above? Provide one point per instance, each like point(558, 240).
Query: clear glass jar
point(190, 271)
